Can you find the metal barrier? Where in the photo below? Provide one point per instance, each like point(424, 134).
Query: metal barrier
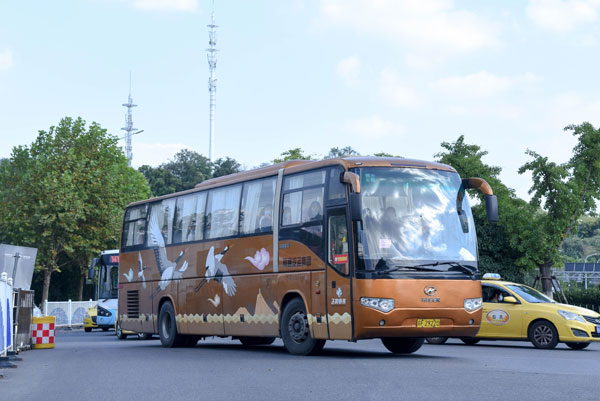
point(6, 300)
point(23, 317)
point(69, 313)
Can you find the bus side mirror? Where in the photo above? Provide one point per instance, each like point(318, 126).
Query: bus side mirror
point(91, 270)
point(355, 207)
point(491, 207)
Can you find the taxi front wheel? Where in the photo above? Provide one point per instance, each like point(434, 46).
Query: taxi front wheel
point(543, 335)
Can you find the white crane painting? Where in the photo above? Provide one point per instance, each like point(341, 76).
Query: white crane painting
point(216, 270)
point(168, 269)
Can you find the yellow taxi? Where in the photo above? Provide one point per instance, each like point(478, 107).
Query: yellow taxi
point(514, 311)
point(89, 320)
point(122, 334)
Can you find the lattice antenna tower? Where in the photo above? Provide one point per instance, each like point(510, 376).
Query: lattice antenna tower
point(129, 125)
point(212, 80)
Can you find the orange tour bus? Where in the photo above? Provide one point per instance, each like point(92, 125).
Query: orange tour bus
point(340, 249)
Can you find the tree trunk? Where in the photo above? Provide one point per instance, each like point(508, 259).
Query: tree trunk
point(82, 278)
point(46, 287)
point(546, 278)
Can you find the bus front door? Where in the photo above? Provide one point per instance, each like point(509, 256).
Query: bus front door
point(339, 297)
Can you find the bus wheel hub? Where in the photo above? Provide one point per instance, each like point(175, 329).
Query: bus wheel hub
point(298, 327)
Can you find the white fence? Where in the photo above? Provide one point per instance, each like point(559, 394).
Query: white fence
point(6, 307)
point(69, 313)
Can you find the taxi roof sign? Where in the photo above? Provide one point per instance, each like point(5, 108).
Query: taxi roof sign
point(491, 276)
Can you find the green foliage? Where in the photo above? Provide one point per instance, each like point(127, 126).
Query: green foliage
point(292, 154)
point(341, 152)
point(562, 193)
point(589, 298)
point(187, 169)
point(385, 154)
point(584, 241)
point(225, 166)
point(65, 194)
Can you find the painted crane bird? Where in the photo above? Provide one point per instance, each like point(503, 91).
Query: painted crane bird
point(216, 270)
point(167, 269)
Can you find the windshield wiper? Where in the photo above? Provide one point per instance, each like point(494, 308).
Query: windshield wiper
point(383, 263)
point(470, 270)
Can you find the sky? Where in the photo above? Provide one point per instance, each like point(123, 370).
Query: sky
point(377, 75)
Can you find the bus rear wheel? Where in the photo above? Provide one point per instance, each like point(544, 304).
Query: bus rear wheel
point(295, 331)
point(167, 327)
point(256, 340)
point(402, 345)
point(119, 330)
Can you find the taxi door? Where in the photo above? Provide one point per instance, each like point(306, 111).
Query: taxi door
point(500, 319)
point(339, 296)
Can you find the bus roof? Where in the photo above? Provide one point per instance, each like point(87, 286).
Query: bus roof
point(295, 166)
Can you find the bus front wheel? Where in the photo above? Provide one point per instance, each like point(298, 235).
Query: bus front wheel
point(167, 327)
point(295, 331)
point(402, 345)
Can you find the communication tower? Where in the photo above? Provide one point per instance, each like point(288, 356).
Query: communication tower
point(129, 125)
point(212, 81)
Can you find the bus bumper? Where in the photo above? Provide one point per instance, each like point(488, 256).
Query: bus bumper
point(402, 322)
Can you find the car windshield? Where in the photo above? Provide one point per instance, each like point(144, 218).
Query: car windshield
point(529, 294)
point(413, 216)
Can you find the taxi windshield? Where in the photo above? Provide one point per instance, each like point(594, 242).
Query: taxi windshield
point(529, 294)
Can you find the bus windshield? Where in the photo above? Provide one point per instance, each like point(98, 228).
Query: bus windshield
point(415, 216)
point(108, 278)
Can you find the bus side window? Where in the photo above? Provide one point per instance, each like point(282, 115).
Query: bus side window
point(337, 190)
point(134, 227)
point(256, 215)
point(222, 212)
point(338, 241)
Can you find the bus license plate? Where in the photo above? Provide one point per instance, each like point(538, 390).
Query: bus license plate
point(428, 322)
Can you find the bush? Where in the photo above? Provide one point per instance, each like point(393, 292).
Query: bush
point(589, 298)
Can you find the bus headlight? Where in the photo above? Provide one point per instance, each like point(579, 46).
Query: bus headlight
point(381, 304)
point(103, 312)
point(472, 304)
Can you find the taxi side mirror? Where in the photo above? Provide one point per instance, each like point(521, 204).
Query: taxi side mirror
point(510, 300)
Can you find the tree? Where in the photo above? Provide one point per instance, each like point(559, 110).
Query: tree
point(187, 169)
point(341, 152)
point(225, 166)
point(292, 154)
point(498, 243)
point(562, 193)
point(385, 154)
point(65, 195)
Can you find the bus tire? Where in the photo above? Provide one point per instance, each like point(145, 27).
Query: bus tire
point(144, 336)
point(436, 340)
point(119, 332)
point(256, 340)
point(469, 340)
point(295, 331)
point(167, 327)
point(399, 345)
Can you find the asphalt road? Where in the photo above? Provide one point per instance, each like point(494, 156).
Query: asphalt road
point(97, 366)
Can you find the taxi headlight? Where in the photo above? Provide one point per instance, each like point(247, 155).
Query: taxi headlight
point(472, 304)
point(381, 304)
point(571, 316)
